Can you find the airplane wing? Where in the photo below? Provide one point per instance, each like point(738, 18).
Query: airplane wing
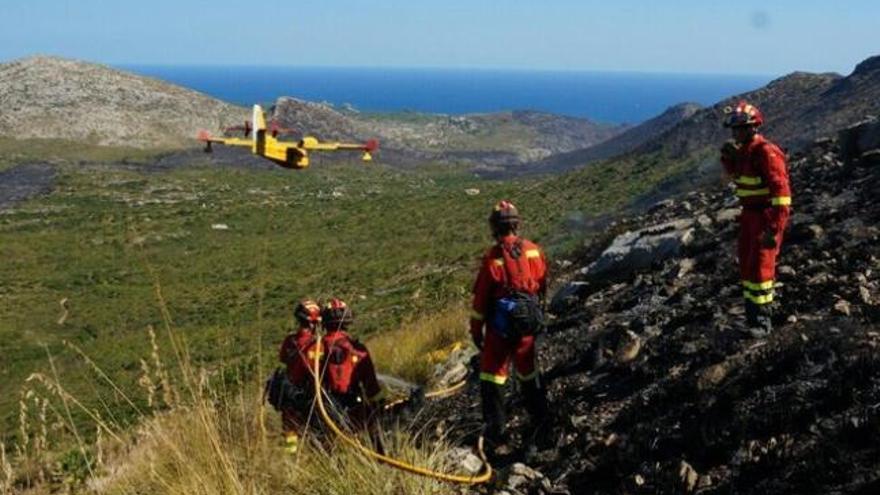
point(207, 138)
point(368, 148)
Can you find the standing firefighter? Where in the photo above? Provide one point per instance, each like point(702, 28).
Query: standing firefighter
point(511, 279)
point(297, 352)
point(758, 169)
point(348, 374)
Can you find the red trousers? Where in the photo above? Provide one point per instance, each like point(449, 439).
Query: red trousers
point(757, 264)
point(497, 354)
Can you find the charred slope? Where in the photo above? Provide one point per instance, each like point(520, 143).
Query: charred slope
point(657, 388)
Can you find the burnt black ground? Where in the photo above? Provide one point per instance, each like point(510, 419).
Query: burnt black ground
point(25, 181)
point(705, 407)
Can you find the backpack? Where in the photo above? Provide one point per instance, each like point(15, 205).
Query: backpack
point(281, 394)
point(519, 312)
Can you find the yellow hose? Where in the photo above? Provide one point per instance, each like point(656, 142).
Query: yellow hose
point(434, 393)
point(484, 477)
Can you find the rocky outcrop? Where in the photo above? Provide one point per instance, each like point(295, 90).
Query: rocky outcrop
point(861, 140)
point(314, 119)
point(48, 97)
point(634, 251)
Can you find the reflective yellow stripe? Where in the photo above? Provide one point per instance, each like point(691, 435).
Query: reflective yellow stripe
point(748, 180)
point(758, 286)
point(533, 253)
point(744, 193)
point(292, 443)
point(498, 261)
point(525, 378)
point(767, 299)
point(781, 201)
point(476, 315)
point(496, 379)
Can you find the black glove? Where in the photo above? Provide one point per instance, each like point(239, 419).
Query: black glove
point(729, 149)
point(768, 240)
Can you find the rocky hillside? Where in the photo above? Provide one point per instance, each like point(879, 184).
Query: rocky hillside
point(657, 387)
point(620, 144)
point(799, 108)
point(494, 140)
point(47, 97)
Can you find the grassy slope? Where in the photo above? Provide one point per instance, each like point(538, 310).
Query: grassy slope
point(396, 245)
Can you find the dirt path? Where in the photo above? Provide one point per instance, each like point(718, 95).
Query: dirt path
point(25, 181)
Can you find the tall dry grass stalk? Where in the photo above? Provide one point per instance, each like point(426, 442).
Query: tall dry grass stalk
point(7, 475)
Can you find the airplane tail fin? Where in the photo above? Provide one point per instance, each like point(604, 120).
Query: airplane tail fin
point(259, 122)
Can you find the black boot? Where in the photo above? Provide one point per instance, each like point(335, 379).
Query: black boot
point(758, 319)
point(536, 404)
point(493, 414)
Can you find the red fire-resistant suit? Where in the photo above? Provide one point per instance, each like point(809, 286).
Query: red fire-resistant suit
point(759, 171)
point(527, 274)
point(349, 375)
point(297, 352)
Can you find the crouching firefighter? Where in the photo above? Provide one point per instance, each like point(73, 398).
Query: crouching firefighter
point(758, 169)
point(348, 374)
point(507, 304)
point(293, 392)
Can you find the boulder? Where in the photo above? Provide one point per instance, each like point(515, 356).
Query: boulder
point(859, 138)
point(567, 296)
point(639, 250)
point(727, 215)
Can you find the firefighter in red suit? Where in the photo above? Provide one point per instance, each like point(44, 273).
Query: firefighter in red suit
point(512, 264)
point(297, 352)
point(758, 169)
point(348, 374)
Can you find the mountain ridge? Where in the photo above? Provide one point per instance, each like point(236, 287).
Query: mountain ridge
point(58, 98)
point(53, 97)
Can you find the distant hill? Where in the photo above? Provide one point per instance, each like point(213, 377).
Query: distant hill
point(620, 144)
point(492, 140)
point(57, 98)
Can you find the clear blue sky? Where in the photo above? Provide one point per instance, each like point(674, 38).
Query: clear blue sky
point(748, 36)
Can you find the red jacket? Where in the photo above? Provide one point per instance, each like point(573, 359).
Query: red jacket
point(500, 273)
point(348, 368)
point(761, 178)
point(298, 352)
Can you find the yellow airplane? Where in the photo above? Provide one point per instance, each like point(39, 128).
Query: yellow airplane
point(287, 154)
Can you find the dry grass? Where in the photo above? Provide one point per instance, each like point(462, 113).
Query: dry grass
point(407, 352)
point(200, 435)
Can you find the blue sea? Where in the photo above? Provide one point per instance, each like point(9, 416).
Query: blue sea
point(613, 97)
